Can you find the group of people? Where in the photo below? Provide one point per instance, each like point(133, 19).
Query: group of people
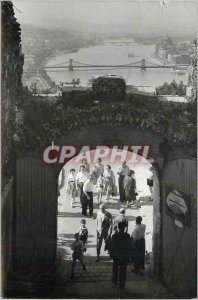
point(103, 178)
point(122, 247)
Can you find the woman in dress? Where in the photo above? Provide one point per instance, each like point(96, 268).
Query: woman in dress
point(129, 184)
point(109, 181)
point(85, 163)
point(122, 172)
point(71, 186)
point(100, 186)
point(98, 169)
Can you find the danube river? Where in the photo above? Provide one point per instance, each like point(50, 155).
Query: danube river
point(114, 53)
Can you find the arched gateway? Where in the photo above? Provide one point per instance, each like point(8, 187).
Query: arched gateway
point(174, 223)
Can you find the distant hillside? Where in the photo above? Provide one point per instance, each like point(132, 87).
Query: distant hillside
point(37, 39)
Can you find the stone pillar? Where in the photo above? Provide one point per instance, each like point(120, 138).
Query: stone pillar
point(71, 65)
point(143, 64)
point(157, 220)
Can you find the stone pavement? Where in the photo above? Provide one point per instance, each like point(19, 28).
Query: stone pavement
point(95, 282)
point(69, 221)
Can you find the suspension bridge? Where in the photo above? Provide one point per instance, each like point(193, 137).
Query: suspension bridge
point(143, 65)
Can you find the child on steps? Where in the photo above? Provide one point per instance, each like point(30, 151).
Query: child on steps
point(83, 233)
point(77, 247)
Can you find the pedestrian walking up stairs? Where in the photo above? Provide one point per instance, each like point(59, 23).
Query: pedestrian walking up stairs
point(96, 282)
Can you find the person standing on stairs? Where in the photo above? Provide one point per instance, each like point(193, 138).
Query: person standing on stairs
point(120, 251)
point(121, 218)
point(138, 242)
point(103, 229)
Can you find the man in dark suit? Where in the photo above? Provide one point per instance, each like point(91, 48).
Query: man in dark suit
point(104, 228)
point(121, 218)
point(120, 251)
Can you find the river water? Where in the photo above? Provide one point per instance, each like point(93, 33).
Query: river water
point(114, 53)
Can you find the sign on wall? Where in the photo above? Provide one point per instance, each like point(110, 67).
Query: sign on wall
point(178, 205)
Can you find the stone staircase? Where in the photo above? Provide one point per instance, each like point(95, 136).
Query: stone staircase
point(96, 282)
point(95, 271)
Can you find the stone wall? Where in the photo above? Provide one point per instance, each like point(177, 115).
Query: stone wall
point(12, 68)
point(7, 206)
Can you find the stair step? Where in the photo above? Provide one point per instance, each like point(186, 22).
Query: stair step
point(97, 274)
point(101, 271)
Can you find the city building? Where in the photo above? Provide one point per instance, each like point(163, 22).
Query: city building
point(180, 59)
point(174, 53)
point(163, 53)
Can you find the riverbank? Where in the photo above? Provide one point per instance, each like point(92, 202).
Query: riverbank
point(39, 78)
point(104, 54)
point(44, 75)
point(58, 53)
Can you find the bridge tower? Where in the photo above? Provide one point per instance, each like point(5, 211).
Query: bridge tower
point(71, 65)
point(143, 64)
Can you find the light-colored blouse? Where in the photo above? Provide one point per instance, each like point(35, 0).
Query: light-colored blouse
point(139, 232)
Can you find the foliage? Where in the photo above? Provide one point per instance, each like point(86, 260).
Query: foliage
point(172, 89)
point(108, 88)
point(75, 81)
point(77, 99)
point(39, 121)
point(44, 121)
point(143, 101)
point(191, 110)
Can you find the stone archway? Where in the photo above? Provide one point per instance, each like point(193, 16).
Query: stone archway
point(125, 136)
point(118, 126)
point(115, 124)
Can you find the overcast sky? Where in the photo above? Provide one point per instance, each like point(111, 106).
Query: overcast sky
point(142, 15)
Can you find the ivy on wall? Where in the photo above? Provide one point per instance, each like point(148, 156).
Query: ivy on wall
point(44, 122)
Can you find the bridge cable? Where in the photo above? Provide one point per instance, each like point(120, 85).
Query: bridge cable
point(65, 62)
point(122, 65)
